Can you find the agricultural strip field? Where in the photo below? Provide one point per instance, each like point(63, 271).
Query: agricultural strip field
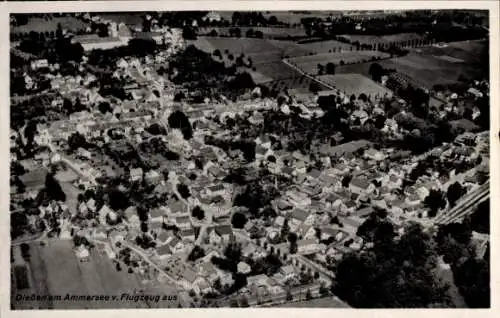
point(373, 39)
point(309, 64)
point(429, 70)
point(355, 84)
point(266, 31)
point(292, 17)
point(325, 46)
point(48, 25)
point(260, 50)
point(463, 51)
point(57, 271)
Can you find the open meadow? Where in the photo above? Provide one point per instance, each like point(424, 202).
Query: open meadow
point(55, 270)
point(355, 84)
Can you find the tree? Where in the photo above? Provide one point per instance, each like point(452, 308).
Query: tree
point(183, 190)
point(198, 213)
point(314, 87)
point(346, 181)
point(473, 281)
point(180, 121)
point(196, 253)
point(53, 188)
point(455, 192)
point(376, 71)
point(435, 201)
point(105, 107)
point(77, 140)
point(394, 274)
point(330, 68)
point(217, 53)
point(238, 220)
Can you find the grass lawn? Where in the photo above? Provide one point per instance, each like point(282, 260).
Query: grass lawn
point(355, 84)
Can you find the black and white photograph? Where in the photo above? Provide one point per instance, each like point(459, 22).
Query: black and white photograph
point(223, 159)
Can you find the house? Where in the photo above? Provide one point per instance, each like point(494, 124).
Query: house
point(306, 231)
point(224, 231)
point(216, 190)
point(299, 214)
point(309, 246)
point(373, 154)
point(177, 207)
point(163, 237)
point(298, 198)
point(157, 215)
point(203, 286)
point(288, 272)
point(136, 174)
point(153, 177)
point(359, 186)
point(104, 212)
point(39, 63)
point(132, 217)
point(187, 234)
point(183, 222)
point(176, 245)
point(208, 271)
point(91, 42)
point(244, 268)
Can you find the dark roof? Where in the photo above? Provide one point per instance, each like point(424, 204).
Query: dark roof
point(223, 230)
point(299, 214)
point(360, 183)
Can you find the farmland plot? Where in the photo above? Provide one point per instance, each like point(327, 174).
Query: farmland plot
point(57, 271)
point(355, 84)
point(374, 39)
point(325, 46)
point(268, 32)
point(50, 24)
point(309, 64)
point(429, 70)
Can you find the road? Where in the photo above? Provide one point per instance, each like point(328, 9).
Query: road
point(465, 206)
point(309, 76)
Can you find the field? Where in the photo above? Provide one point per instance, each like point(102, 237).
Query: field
point(292, 17)
point(371, 39)
point(465, 51)
point(429, 70)
point(266, 31)
point(43, 25)
point(355, 84)
point(130, 19)
point(260, 50)
point(56, 271)
point(325, 46)
point(309, 64)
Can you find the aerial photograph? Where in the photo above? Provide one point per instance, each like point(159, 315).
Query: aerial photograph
point(189, 159)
